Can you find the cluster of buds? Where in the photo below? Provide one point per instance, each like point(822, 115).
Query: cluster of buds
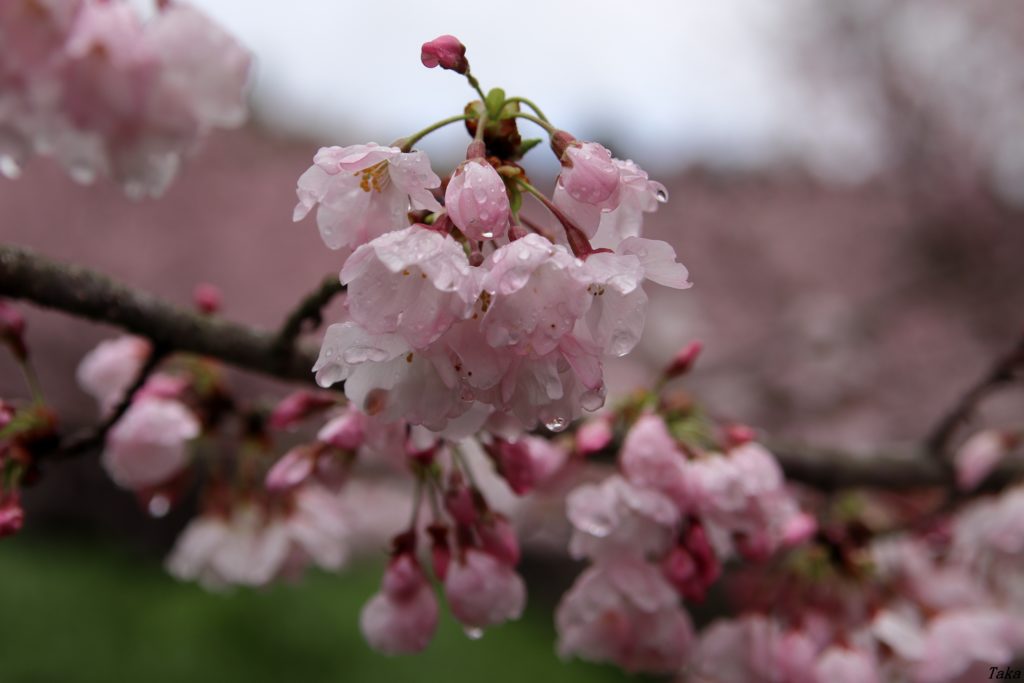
point(469, 313)
point(89, 83)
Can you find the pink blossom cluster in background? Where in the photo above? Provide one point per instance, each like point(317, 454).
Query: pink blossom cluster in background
point(106, 94)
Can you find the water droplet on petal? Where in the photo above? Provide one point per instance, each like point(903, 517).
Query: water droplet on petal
point(556, 424)
point(473, 633)
point(487, 235)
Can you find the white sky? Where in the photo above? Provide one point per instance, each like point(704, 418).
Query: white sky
point(664, 81)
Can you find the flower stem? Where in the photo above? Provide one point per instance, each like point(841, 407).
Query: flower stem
point(540, 122)
point(32, 380)
point(476, 86)
point(577, 239)
point(530, 104)
point(406, 144)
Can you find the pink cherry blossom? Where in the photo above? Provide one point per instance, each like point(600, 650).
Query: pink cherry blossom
point(527, 463)
point(651, 459)
point(537, 290)
point(978, 456)
point(293, 468)
point(402, 617)
point(445, 51)
point(476, 200)
point(847, 665)
point(483, 591)
point(386, 377)
point(12, 515)
point(589, 175)
point(244, 548)
point(364, 191)
point(111, 368)
point(148, 445)
point(593, 436)
point(624, 612)
point(615, 518)
point(413, 282)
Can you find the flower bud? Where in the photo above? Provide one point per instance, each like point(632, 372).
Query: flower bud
point(12, 330)
point(684, 360)
point(446, 52)
point(483, 591)
point(207, 298)
point(589, 175)
point(293, 468)
point(498, 537)
point(12, 516)
point(476, 200)
point(402, 617)
point(593, 436)
point(298, 406)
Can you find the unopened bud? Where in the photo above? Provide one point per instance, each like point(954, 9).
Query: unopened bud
point(560, 142)
point(446, 52)
point(684, 360)
point(207, 298)
point(12, 330)
point(12, 516)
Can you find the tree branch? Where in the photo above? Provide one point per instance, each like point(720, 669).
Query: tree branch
point(310, 310)
point(1001, 372)
point(78, 444)
point(88, 294)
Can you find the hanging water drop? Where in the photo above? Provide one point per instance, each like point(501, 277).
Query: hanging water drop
point(661, 195)
point(473, 633)
point(158, 506)
point(556, 424)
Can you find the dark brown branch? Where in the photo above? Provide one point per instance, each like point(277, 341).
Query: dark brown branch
point(1004, 370)
point(85, 293)
point(79, 444)
point(309, 310)
point(88, 294)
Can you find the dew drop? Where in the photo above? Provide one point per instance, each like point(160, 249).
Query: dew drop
point(487, 235)
point(473, 633)
point(158, 506)
point(556, 424)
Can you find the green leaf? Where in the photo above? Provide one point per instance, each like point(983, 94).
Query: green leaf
point(526, 145)
point(494, 102)
point(516, 200)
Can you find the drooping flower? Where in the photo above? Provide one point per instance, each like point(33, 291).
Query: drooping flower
point(483, 591)
point(402, 617)
point(109, 370)
point(148, 445)
point(624, 612)
point(364, 191)
point(616, 519)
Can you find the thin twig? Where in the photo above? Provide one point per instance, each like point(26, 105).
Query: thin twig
point(309, 310)
point(79, 444)
point(1002, 371)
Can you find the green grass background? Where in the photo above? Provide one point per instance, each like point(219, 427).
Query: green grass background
point(81, 613)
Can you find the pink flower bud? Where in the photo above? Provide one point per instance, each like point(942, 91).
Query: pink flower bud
point(476, 200)
point(798, 529)
point(445, 51)
point(440, 551)
point(684, 360)
point(458, 500)
point(498, 537)
point(736, 435)
point(297, 406)
point(593, 436)
point(12, 516)
point(293, 468)
point(402, 617)
point(482, 591)
point(514, 464)
point(346, 431)
point(12, 330)
point(207, 298)
point(589, 175)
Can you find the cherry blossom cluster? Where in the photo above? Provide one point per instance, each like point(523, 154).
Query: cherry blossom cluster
point(106, 94)
point(469, 315)
point(936, 607)
point(658, 532)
